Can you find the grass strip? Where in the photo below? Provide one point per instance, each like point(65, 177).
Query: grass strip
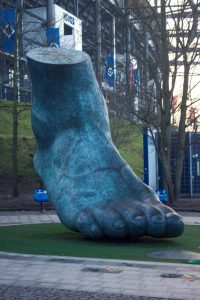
point(55, 239)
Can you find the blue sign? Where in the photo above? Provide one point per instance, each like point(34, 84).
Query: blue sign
point(7, 22)
point(53, 37)
point(69, 19)
point(136, 76)
point(146, 157)
point(110, 71)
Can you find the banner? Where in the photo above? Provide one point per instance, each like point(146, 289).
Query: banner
point(110, 70)
point(53, 37)
point(131, 78)
point(136, 76)
point(7, 22)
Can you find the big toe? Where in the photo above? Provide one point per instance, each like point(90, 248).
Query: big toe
point(174, 222)
point(156, 222)
point(174, 225)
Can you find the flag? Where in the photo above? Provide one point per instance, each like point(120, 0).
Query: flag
point(110, 70)
point(136, 76)
point(175, 100)
point(131, 77)
point(7, 23)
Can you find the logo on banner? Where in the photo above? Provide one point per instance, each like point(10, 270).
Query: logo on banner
point(110, 72)
point(54, 45)
point(9, 31)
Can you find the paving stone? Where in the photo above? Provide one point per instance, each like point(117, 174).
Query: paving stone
point(20, 292)
point(54, 218)
point(4, 220)
point(34, 219)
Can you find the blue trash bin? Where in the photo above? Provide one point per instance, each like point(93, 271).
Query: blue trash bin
point(162, 194)
point(40, 195)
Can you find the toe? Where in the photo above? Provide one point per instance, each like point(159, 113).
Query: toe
point(174, 225)
point(110, 222)
point(134, 219)
point(87, 225)
point(156, 222)
point(174, 222)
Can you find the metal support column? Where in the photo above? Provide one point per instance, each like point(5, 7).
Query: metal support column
point(114, 50)
point(98, 62)
point(50, 13)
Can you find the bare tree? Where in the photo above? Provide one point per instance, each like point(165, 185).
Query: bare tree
point(14, 81)
point(167, 55)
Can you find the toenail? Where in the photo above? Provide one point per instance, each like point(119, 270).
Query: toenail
point(119, 224)
point(138, 218)
point(83, 218)
point(157, 219)
point(94, 228)
point(173, 219)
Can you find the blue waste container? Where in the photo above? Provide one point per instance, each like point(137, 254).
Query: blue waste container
point(40, 195)
point(162, 194)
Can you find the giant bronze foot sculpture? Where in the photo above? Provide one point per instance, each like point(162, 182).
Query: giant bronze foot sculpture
point(92, 188)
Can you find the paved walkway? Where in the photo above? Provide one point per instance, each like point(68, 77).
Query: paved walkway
point(24, 217)
point(53, 277)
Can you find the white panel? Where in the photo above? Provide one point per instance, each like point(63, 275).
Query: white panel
point(63, 17)
point(152, 159)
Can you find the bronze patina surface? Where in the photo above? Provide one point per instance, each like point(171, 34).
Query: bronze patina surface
point(92, 188)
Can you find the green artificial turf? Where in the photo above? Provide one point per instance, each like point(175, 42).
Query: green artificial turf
point(55, 239)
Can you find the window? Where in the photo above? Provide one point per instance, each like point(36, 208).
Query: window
point(68, 30)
